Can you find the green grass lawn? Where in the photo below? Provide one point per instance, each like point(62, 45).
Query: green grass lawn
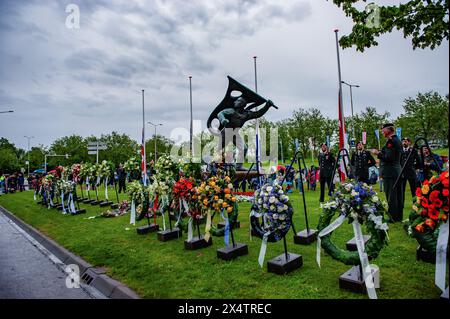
point(157, 269)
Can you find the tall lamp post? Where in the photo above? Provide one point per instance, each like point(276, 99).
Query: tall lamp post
point(10, 111)
point(29, 138)
point(351, 103)
point(155, 125)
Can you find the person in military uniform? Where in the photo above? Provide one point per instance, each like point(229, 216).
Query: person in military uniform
point(409, 172)
point(326, 165)
point(361, 161)
point(390, 169)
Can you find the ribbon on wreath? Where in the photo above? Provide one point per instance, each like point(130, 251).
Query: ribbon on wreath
point(34, 196)
point(62, 202)
point(208, 226)
point(50, 201)
point(190, 229)
point(364, 259)
point(133, 213)
point(338, 222)
point(98, 181)
point(226, 237)
point(441, 256)
point(106, 188)
point(262, 251)
point(88, 186)
point(71, 204)
point(155, 207)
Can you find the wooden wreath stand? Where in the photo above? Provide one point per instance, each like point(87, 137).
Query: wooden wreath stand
point(197, 242)
point(150, 227)
point(285, 263)
point(233, 251)
point(353, 280)
point(171, 233)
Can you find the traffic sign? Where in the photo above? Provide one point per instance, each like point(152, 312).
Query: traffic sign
point(92, 152)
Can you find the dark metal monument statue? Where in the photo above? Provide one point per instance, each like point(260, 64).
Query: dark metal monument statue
point(235, 109)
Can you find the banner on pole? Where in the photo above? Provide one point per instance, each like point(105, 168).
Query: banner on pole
point(377, 134)
point(328, 140)
point(364, 137)
point(399, 132)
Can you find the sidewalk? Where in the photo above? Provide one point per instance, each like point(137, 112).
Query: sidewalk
point(26, 272)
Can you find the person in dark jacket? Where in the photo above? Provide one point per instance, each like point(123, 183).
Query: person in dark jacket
point(326, 165)
point(361, 161)
point(429, 162)
point(122, 176)
point(390, 169)
point(409, 171)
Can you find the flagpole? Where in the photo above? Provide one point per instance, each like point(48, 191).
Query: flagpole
point(191, 122)
point(144, 171)
point(257, 125)
point(341, 111)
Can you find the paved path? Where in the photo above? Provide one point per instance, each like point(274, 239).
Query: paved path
point(26, 268)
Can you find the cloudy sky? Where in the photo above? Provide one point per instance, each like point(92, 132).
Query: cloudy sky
point(88, 81)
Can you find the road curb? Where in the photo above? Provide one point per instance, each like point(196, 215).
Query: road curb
point(91, 276)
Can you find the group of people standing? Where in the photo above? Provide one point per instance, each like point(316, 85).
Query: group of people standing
point(12, 183)
point(395, 154)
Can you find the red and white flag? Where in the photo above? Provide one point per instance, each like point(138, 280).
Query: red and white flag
point(343, 143)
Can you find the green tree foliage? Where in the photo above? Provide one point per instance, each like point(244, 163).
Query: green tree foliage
point(75, 146)
point(425, 21)
point(368, 120)
point(120, 147)
point(9, 159)
point(426, 115)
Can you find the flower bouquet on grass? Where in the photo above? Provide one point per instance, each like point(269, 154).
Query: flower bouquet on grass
point(122, 210)
point(75, 169)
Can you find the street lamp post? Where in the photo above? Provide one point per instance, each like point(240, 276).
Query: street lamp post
point(50, 155)
point(155, 125)
point(10, 111)
point(351, 104)
point(29, 138)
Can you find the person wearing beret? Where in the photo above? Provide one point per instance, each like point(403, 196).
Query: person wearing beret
point(390, 169)
point(326, 165)
point(361, 161)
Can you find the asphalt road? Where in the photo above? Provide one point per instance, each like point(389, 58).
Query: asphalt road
point(26, 272)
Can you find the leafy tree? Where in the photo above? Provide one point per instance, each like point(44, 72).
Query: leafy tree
point(9, 156)
point(74, 145)
point(425, 21)
point(37, 157)
point(368, 120)
point(120, 147)
point(426, 115)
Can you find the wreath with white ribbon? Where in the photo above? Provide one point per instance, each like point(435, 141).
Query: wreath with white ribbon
point(361, 205)
point(274, 207)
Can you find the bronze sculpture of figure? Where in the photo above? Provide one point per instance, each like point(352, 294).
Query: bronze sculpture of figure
point(234, 111)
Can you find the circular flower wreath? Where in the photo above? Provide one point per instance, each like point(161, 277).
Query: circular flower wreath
point(429, 211)
point(76, 169)
point(215, 195)
point(355, 200)
point(185, 199)
point(137, 194)
point(273, 205)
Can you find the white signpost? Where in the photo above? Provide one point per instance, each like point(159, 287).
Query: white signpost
point(94, 147)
